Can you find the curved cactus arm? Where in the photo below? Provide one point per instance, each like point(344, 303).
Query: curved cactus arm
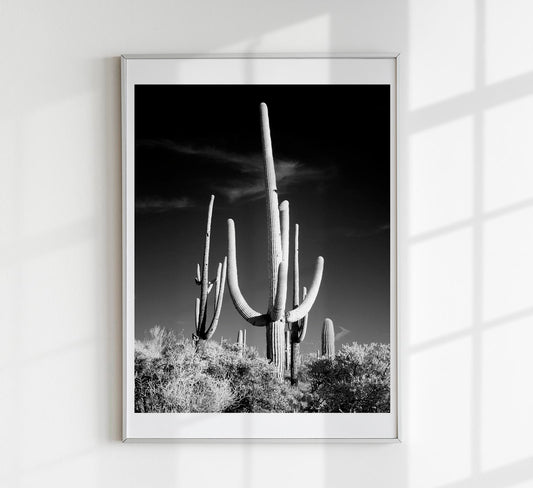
point(198, 278)
point(246, 312)
point(303, 325)
point(205, 271)
point(303, 309)
point(197, 314)
point(273, 217)
point(218, 300)
point(281, 293)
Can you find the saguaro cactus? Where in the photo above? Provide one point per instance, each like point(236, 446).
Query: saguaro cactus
point(328, 339)
point(298, 328)
point(241, 341)
point(276, 317)
point(203, 331)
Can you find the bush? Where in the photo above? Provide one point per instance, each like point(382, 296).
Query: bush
point(254, 383)
point(170, 376)
point(357, 380)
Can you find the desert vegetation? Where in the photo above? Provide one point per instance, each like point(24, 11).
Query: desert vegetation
point(171, 375)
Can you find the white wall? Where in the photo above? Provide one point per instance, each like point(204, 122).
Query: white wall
point(466, 206)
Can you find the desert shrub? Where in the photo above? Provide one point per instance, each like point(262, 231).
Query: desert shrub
point(357, 380)
point(170, 376)
point(254, 383)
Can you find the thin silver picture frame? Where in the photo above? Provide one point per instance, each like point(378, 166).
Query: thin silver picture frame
point(133, 66)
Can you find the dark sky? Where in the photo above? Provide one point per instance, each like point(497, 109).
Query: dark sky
point(332, 154)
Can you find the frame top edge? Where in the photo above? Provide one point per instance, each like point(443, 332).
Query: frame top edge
point(349, 55)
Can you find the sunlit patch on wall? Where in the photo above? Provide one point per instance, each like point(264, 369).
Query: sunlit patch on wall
point(508, 154)
point(507, 265)
point(509, 39)
point(441, 59)
point(441, 286)
point(507, 401)
point(440, 415)
point(441, 171)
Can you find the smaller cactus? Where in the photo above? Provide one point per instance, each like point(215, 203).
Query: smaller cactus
point(205, 329)
point(328, 339)
point(240, 342)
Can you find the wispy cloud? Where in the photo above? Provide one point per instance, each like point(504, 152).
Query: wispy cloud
point(158, 205)
point(343, 332)
point(246, 169)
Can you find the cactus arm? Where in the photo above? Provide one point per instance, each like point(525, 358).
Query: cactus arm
point(218, 300)
point(205, 283)
point(273, 220)
point(303, 329)
point(198, 278)
point(296, 275)
point(197, 314)
point(217, 285)
point(303, 324)
point(246, 312)
point(303, 309)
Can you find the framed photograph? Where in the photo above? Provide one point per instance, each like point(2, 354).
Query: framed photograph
point(259, 247)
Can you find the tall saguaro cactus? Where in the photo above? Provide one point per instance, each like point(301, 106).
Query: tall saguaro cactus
point(276, 316)
point(204, 331)
point(328, 339)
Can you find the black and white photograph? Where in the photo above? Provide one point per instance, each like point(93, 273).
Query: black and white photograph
point(262, 248)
